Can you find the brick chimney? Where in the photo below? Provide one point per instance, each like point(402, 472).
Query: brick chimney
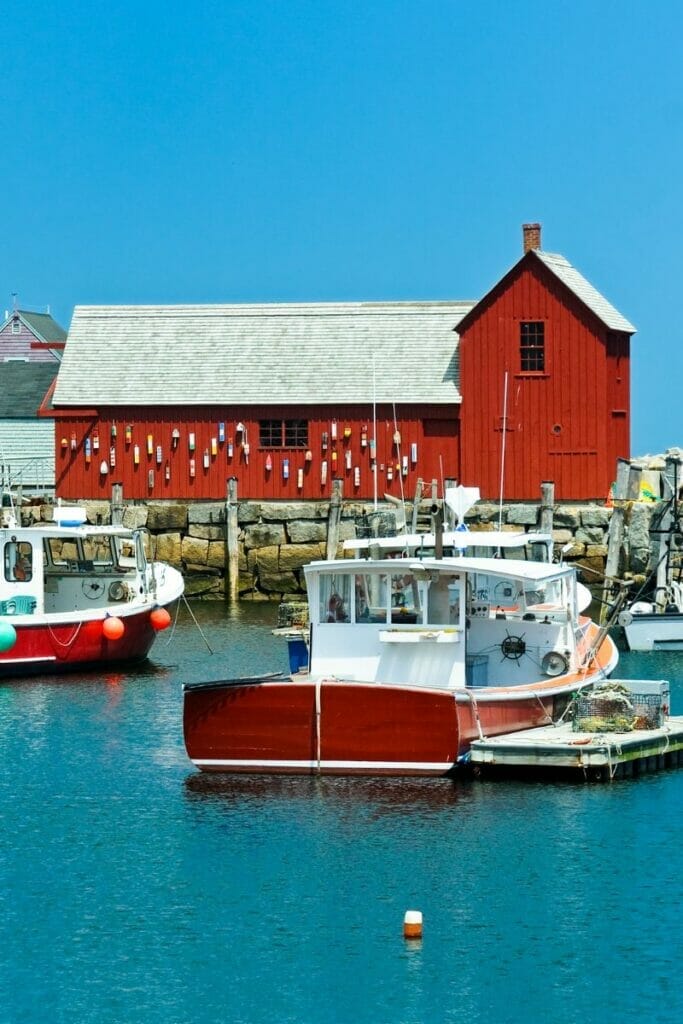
point(532, 236)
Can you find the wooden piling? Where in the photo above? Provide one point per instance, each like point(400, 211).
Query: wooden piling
point(547, 506)
point(664, 525)
point(615, 538)
point(416, 504)
point(117, 504)
point(449, 514)
point(231, 541)
point(334, 518)
point(437, 528)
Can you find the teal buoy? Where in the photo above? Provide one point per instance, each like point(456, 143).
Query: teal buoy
point(8, 636)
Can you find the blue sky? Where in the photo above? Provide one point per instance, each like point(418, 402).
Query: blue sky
point(318, 150)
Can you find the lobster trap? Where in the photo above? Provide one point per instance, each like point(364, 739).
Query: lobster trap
point(622, 706)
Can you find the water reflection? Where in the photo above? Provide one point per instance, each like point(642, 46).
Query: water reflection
point(379, 796)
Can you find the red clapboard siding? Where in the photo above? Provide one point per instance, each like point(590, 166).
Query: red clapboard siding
point(568, 424)
point(434, 430)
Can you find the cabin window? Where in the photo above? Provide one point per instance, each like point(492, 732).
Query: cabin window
point(283, 433)
point(97, 551)
point(532, 346)
point(405, 598)
point(61, 551)
point(19, 561)
point(370, 597)
point(335, 597)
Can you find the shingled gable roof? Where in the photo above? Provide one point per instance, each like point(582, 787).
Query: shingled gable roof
point(23, 387)
point(287, 354)
point(43, 325)
point(574, 281)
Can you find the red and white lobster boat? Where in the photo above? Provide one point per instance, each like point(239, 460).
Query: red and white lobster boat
point(410, 660)
point(75, 595)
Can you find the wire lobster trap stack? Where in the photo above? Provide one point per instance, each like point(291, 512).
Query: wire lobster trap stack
point(622, 706)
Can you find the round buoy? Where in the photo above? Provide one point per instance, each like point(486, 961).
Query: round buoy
point(113, 628)
point(94, 629)
point(160, 619)
point(8, 635)
point(412, 924)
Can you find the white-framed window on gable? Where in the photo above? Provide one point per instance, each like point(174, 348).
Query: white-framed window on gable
point(16, 325)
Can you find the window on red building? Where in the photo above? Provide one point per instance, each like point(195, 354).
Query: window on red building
point(283, 433)
point(532, 346)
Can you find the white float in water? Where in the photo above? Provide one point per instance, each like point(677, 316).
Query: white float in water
point(412, 924)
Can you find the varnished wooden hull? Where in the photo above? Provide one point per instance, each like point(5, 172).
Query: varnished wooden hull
point(338, 728)
point(300, 725)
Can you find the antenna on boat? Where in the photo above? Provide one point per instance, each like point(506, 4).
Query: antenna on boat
point(399, 467)
point(502, 451)
point(374, 430)
point(9, 512)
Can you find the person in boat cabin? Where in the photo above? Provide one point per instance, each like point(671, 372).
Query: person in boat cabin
point(335, 609)
point(19, 556)
point(362, 608)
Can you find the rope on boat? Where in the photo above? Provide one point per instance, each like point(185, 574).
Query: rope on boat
point(66, 644)
point(475, 711)
point(591, 654)
point(192, 615)
point(544, 708)
point(175, 623)
point(318, 712)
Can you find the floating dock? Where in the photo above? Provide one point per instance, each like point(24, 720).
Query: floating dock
point(600, 757)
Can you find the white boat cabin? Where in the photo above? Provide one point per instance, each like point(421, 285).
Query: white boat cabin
point(69, 567)
point(442, 622)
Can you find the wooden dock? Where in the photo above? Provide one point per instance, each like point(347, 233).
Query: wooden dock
point(598, 757)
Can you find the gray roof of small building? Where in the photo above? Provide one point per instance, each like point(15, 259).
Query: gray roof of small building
point(288, 354)
point(23, 387)
point(585, 291)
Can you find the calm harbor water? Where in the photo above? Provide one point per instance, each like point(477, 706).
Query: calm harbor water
point(134, 889)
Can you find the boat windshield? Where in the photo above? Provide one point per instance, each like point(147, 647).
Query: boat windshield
point(335, 597)
point(95, 551)
point(370, 597)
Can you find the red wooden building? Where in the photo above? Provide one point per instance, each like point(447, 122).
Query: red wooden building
point(544, 358)
point(171, 401)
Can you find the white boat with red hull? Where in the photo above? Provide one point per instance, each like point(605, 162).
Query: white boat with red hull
point(410, 660)
point(74, 594)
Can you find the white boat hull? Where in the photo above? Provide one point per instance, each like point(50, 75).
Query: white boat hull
point(655, 631)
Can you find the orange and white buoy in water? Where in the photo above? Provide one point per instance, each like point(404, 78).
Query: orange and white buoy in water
point(412, 924)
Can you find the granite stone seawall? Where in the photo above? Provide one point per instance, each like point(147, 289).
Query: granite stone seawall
point(275, 540)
